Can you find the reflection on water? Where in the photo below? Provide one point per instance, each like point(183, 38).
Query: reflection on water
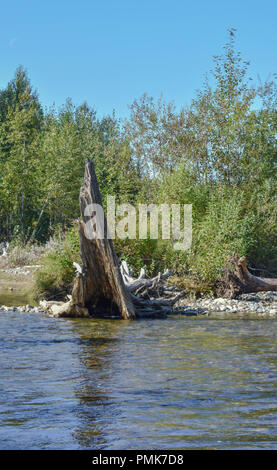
point(176, 383)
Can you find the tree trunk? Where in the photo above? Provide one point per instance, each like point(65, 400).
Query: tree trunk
point(99, 286)
point(102, 287)
point(240, 280)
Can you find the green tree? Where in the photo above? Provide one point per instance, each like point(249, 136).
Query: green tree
point(19, 155)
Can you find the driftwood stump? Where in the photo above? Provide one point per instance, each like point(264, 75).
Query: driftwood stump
point(99, 286)
point(241, 281)
point(102, 287)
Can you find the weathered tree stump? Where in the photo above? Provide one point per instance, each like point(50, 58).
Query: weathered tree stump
point(99, 286)
point(241, 281)
point(102, 287)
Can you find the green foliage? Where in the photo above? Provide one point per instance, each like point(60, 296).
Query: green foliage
point(218, 154)
point(19, 157)
point(138, 253)
point(54, 278)
point(225, 228)
point(233, 223)
point(42, 161)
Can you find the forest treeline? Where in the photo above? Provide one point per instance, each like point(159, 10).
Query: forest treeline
point(219, 154)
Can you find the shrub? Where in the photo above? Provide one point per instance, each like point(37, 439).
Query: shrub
point(232, 224)
point(54, 278)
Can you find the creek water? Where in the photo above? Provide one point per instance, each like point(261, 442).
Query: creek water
point(178, 383)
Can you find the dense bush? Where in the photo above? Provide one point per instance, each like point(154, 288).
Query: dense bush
point(230, 225)
point(54, 278)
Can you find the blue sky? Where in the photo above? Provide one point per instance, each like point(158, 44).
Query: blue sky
point(110, 52)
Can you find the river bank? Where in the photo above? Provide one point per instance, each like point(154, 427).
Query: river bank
point(16, 284)
point(263, 304)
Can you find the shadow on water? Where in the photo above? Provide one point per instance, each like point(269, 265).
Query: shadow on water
point(99, 340)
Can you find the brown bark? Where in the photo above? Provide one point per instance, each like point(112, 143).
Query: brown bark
point(240, 280)
point(101, 287)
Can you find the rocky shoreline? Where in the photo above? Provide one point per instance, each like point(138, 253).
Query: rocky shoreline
point(21, 309)
point(263, 304)
point(260, 304)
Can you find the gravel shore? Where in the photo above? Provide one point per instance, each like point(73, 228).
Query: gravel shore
point(261, 304)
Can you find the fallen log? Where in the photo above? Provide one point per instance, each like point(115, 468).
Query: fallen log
point(102, 287)
point(241, 281)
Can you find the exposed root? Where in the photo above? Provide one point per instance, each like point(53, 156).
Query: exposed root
point(240, 281)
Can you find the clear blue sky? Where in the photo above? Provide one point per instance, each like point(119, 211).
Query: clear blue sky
point(110, 52)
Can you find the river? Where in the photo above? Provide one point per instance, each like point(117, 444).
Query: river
point(178, 383)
